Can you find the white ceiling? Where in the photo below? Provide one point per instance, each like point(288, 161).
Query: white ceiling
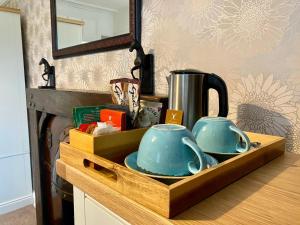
point(110, 4)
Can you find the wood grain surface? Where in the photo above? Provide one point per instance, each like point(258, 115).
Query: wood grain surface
point(166, 200)
point(152, 193)
point(269, 195)
point(169, 200)
point(107, 143)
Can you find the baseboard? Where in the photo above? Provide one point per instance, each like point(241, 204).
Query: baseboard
point(15, 204)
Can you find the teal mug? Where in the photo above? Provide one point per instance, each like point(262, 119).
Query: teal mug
point(219, 135)
point(170, 150)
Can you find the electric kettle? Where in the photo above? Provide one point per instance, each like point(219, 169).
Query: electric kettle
point(188, 92)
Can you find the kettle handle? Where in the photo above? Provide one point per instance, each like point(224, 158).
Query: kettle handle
point(217, 83)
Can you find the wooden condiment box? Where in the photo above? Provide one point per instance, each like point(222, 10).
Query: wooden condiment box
point(167, 200)
point(121, 140)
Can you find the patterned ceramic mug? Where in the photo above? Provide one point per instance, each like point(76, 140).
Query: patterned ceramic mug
point(219, 135)
point(171, 150)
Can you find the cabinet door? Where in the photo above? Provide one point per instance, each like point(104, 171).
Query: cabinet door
point(96, 214)
point(79, 217)
point(89, 212)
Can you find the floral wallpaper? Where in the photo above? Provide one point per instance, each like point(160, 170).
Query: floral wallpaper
point(253, 44)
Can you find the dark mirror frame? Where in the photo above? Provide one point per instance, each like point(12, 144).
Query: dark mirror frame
point(113, 43)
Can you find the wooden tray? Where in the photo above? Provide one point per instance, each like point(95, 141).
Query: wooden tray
point(122, 140)
point(168, 200)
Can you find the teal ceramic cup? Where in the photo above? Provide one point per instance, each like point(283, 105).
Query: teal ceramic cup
point(219, 135)
point(170, 150)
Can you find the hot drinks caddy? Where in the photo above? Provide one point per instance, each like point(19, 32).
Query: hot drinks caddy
point(83, 169)
point(140, 163)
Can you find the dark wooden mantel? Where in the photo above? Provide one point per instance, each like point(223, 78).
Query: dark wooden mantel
point(43, 104)
point(61, 102)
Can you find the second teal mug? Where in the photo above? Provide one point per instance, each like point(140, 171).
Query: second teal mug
point(219, 135)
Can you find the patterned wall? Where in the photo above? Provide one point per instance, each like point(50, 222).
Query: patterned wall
point(253, 44)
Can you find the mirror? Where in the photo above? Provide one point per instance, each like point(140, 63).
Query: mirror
point(87, 26)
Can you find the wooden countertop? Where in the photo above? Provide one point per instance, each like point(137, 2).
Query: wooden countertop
point(269, 195)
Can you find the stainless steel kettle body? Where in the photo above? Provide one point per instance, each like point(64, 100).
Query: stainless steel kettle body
point(188, 92)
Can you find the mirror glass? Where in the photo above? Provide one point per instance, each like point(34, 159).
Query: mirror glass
point(84, 21)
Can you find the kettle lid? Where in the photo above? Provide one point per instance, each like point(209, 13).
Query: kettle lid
point(187, 71)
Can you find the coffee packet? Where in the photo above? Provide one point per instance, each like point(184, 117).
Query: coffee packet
point(126, 91)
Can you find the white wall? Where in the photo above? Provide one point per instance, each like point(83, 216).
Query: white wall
point(69, 34)
point(15, 172)
point(121, 21)
point(93, 19)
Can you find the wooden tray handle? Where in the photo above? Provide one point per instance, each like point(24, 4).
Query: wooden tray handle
point(105, 171)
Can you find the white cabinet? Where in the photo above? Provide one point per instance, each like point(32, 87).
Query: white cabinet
point(15, 171)
point(89, 212)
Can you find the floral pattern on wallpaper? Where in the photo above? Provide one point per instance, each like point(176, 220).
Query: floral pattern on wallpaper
point(253, 44)
point(262, 104)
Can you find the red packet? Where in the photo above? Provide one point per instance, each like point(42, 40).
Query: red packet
point(113, 117)
point(85, 126)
